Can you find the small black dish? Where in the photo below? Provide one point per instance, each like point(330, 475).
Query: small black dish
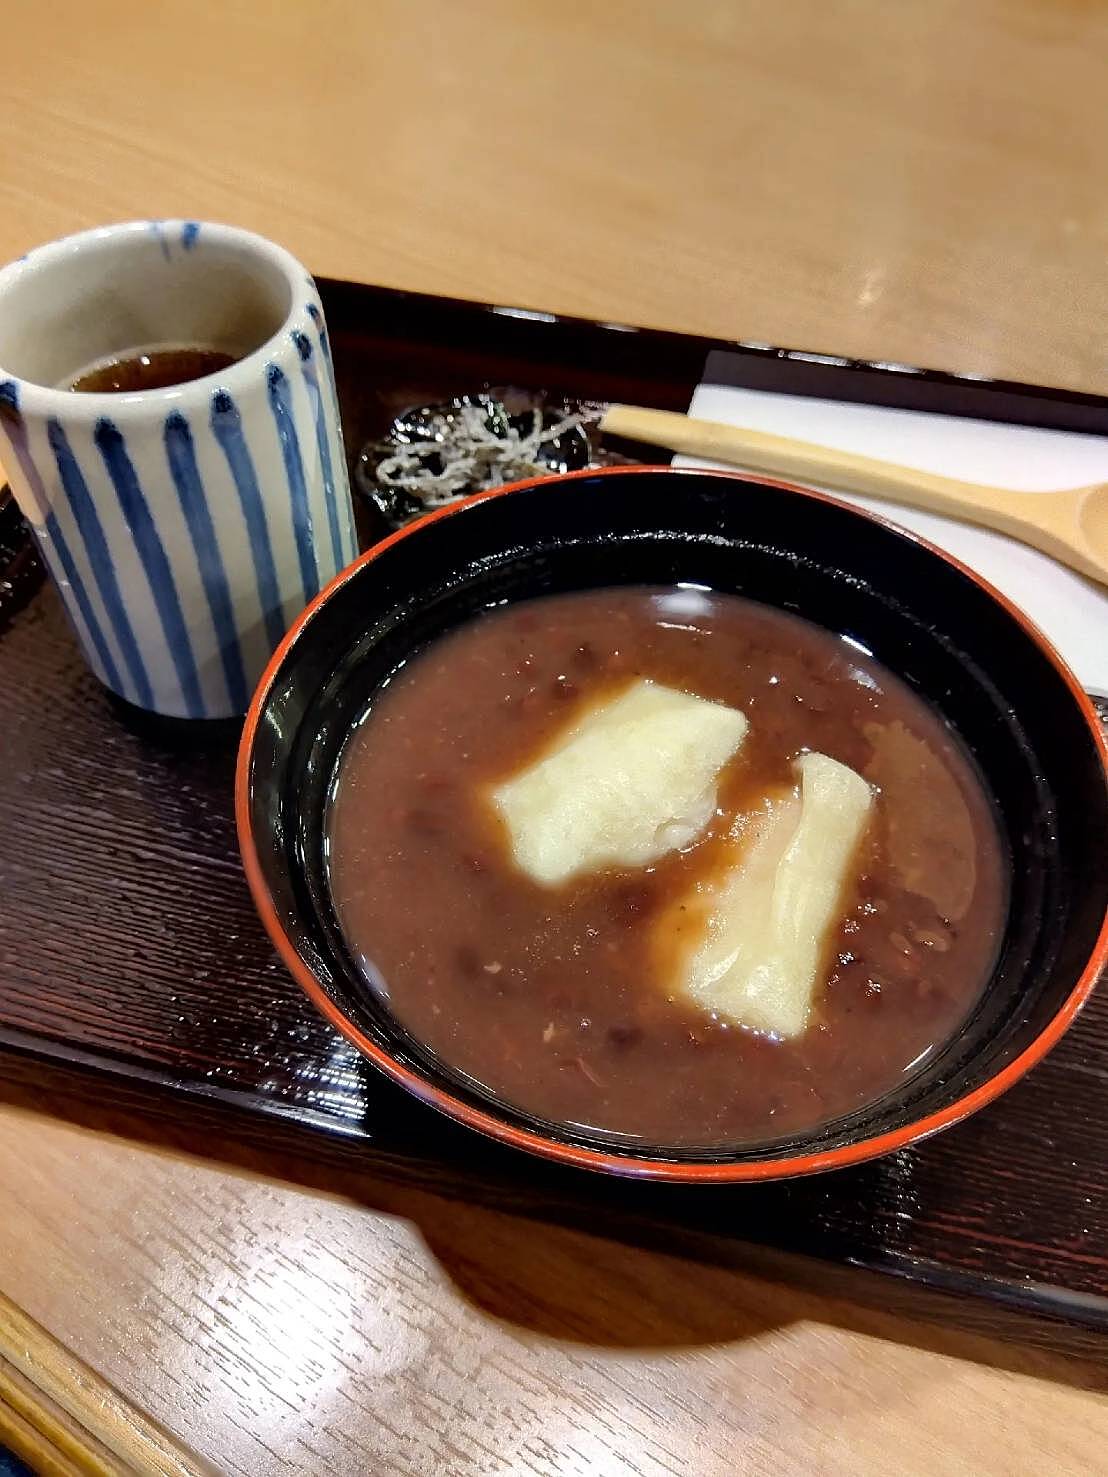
point(974, 657)
point(427, 440)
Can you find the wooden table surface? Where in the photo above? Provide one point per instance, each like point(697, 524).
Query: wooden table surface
point(911, 182)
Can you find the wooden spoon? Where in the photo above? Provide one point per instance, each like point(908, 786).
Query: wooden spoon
point(1070, 524)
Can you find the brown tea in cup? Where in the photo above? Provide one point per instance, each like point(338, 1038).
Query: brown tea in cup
point(150, 369)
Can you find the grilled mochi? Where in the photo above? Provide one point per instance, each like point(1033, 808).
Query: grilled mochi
point(629, 780)
point(765, 921)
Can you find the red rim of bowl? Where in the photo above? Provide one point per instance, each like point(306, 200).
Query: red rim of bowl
point(596, 1159)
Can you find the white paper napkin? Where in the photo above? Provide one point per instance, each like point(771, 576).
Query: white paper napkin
point(1072, 611)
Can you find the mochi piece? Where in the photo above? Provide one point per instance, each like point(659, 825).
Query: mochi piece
point(629, 780)
point(771, 913)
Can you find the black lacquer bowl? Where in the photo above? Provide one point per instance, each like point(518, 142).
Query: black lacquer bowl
point(990, 674)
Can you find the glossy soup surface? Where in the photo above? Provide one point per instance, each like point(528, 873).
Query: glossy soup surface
point(553, 998)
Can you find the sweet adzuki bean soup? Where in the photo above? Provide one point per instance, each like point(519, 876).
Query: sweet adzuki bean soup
point(559, 999)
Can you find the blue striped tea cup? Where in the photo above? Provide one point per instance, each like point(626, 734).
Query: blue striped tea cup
point(185, 527)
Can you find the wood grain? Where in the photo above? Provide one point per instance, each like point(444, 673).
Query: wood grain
point(373, 1329)
point(912, 182)
point(58, 1414)
point(921, 184)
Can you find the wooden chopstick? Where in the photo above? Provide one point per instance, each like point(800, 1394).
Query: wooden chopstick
point(64, 1420)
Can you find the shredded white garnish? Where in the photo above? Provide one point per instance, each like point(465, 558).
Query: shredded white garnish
point(470, 454)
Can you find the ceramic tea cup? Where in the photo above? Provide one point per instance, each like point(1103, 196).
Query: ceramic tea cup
point(187, 524)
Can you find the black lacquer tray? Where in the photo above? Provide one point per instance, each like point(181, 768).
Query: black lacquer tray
point(132, 965)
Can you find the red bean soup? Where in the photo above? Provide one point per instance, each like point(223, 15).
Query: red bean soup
point(558, 999)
